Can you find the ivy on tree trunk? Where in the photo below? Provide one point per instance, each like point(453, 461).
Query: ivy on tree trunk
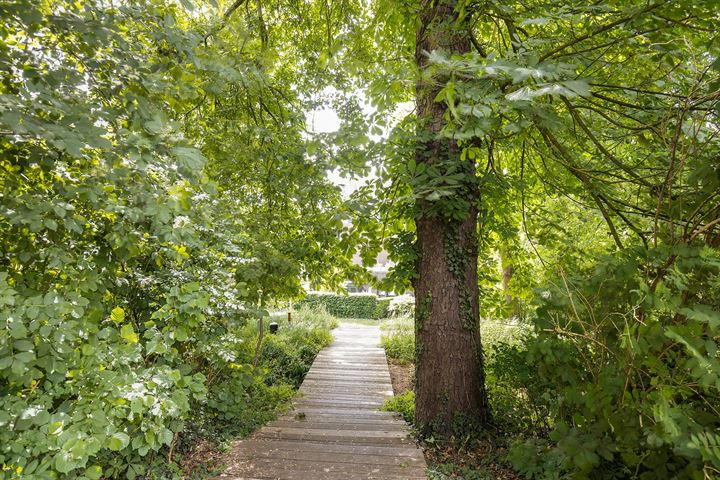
point(446, 287)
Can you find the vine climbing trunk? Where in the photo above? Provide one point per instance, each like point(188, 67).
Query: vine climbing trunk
point(450, 384)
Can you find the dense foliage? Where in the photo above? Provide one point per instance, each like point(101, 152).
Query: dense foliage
point(243, 397)
point(126, 277)
point(350, 306)
point(159, 187)
point(594, 130)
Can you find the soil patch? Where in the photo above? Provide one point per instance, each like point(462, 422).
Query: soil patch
point(479, 459)
point(402, 376)
point(205, 458)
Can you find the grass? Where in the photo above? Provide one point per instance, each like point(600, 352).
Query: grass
point(403, 404)
point(398, 339)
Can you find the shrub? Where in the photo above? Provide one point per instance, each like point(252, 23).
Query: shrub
point(349, 306)
point(239, 403)
point(403, 404)
point(381, 308)
point(515, 389)
point(402, 306)
point(288, 355)
point(241, 398)
point(629, 369)
point(399, 340)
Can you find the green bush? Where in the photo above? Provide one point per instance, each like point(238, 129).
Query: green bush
point(403, 404)
point(628, 371)
point(288, 355)
point(402, 306)
point(381, 308)
point(517, 392)
point(241, 397)
point(237, 405)
point(349, 306)
point(398, 339)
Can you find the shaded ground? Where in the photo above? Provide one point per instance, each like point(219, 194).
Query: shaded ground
point(402, 376)
point(204, 459)
point(481, 460)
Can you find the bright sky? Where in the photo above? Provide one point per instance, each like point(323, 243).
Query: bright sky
point(325, 120)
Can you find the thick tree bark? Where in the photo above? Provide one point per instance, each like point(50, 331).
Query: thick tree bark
point(450, 384)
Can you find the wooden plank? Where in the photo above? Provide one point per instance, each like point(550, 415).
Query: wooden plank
point(345, 419)
point(331, 465)
point(329, 425)
point(281, 455)
point(336, 430)
point(320, 447)
point(345, 412)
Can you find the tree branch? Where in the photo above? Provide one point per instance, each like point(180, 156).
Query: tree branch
point(226, 16)
point(578, 119)
point(555, 145)
point(599, 30)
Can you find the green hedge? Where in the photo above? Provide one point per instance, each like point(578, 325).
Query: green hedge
point(349, 306)
point(382, 308)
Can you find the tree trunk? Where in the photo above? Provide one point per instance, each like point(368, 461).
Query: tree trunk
point(450, 383)
point(508, 270)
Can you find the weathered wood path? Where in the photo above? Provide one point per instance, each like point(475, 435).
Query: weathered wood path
point(336, 431)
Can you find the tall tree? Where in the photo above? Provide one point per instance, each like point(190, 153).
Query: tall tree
point(449, 376)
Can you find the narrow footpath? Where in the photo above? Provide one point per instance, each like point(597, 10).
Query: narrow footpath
point(335, 431)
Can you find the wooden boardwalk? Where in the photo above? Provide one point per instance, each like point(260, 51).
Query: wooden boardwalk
point(336, 431)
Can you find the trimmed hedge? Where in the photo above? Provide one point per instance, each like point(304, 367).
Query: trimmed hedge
point(349, 306)
point(382, 308)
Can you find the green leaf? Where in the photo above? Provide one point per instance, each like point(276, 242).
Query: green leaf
point(18, 330)
point(181, 334)
point(190, 158)
point(117, 315)
point(118, 441)
point(165, 436)
point(5, 362)
point(23, 345)
point(64, 462)
point(703, 313)
point(94, 472)
point(128, 333)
